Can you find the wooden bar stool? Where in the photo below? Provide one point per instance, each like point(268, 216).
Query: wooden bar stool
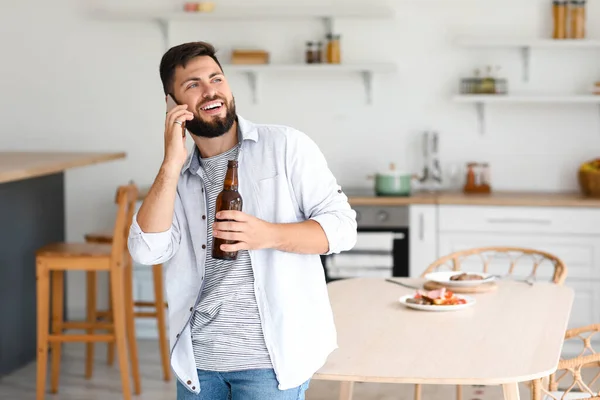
point(56, 258)
point(158, 305)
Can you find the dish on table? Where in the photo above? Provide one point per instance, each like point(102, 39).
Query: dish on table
point(460, 278)
point(436, 300)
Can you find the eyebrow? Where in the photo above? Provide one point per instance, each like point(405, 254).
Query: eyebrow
point(196, 79)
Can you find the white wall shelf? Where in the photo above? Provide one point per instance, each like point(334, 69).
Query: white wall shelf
point(499, 42)
point(326, 13)
point(256, 13)
point(525, 46)
point(579, 99)
point(481, 100)
point(366, 71)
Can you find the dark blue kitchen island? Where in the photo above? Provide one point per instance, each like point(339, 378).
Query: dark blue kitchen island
point(32, 214)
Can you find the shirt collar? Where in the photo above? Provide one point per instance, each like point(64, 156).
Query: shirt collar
point(246, 131)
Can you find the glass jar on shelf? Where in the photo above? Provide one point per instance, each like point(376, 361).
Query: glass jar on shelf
point(559, 13)
point(334, 49)
point(318, 53)
point(310, 56)
point(577, 18)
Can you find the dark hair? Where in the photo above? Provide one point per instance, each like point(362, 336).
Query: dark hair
point(179, 56)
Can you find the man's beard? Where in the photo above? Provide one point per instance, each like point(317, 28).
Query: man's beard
point(216, 127)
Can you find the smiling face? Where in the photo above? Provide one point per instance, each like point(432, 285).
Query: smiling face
point(202, 86)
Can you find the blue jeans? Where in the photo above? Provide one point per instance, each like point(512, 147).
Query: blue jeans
point(253, 384)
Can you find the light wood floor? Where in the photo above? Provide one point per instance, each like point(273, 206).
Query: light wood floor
point(105, 384)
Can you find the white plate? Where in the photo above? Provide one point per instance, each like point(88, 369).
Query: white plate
point(423, 307)
point(443, 277)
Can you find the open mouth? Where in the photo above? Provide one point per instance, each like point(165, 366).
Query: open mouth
point(214, 107)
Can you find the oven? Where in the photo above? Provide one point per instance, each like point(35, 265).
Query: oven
point(382, 246)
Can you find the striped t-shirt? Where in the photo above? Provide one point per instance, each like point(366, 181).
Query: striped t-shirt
point(226, 329)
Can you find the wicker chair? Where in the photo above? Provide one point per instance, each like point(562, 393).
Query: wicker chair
point(515, 258)
point(569, 374)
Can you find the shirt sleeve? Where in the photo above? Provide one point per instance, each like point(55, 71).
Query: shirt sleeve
point(156, 247)
point(318, 194)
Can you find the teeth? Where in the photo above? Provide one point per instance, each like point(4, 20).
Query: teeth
point(211, 106)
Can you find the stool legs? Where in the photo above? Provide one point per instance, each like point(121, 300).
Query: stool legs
point(91, 319)
point(116, 283)
point(130, 315)
point(43, 310)
point(161, 319)
point(159, 299)
point(57, 278)
point(130, 324)
point(110, 350)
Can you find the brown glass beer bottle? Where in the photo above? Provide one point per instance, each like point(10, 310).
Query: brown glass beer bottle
point(228, 199)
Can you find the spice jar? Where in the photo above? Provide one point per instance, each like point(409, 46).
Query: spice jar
point(318, 53)
point(471, 177)
point(485, 174)
point(309, 53)
point(333, 49)
point(559, 12)
point(577, 19)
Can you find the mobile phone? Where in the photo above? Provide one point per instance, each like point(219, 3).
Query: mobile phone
point(171, 104)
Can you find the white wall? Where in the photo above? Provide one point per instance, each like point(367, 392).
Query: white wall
point(70, 82)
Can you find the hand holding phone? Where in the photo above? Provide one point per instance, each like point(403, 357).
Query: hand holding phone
point(175, 150)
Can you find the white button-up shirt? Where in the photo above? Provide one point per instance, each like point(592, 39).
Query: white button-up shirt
point(283, 178)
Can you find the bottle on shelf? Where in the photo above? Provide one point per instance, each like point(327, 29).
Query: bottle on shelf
point(577, 19)
point(559, 13)
point(318, 53)
point(310, 55)
point(333, 49)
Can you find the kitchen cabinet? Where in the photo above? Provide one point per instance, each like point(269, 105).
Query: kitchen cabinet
point(572, 234)
point(423, 237)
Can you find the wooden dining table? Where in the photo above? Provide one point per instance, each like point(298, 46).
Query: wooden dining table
point(510, 335)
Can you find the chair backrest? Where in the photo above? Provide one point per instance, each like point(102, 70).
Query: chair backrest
point(511, 257)
point(570, 372)
point(126, 198)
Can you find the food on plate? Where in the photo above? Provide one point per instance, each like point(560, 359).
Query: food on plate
point(466, 277)
point(438, 297)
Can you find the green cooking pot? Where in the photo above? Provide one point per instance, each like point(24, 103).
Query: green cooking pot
point(393, 183)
